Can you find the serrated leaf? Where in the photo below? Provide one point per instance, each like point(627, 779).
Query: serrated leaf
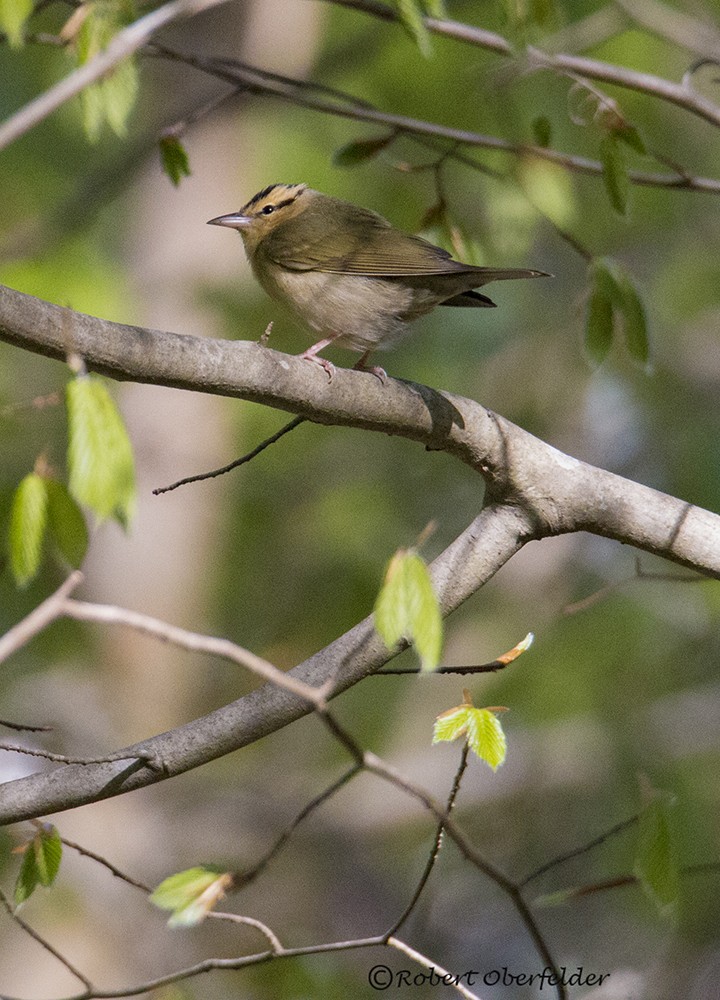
point(542, 131)
point(655, 864)
point(599, 320)
point(481, 726)
point(451, 725)
point(40, 864)
point(191, 894)
point(28, 525)
point(407, 608)
point(173, 155)
point(100, 460)
point(615, 175)
point(13, 15)
point(486, 737)
point(411, 18)
point(360, 150)
point(66, 523)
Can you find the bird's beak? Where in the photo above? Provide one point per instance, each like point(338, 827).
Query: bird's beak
point(233, 221)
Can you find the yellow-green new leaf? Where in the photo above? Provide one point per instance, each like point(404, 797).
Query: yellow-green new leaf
point(13, 15)
point(407, 608)
point(40, 864)
point(655, 862)
point(28, 526)
point(615, 175)
point(66, 524)
point(100, 460)
point(111, 99)
point(480, 726)
point(191, 894)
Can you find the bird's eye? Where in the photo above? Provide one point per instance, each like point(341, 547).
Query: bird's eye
point(268, 210)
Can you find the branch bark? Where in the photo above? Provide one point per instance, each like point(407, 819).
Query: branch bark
point(533, 491)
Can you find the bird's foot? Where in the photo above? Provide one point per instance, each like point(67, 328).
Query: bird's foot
point(312, 355)
point(375, 370)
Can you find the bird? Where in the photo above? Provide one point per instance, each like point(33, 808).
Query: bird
point(347, 273)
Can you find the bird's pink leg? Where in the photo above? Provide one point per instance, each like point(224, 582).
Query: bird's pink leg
point(312, 355)
point(361, 366)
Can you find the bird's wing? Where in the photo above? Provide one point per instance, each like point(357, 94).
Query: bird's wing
point(361, 243)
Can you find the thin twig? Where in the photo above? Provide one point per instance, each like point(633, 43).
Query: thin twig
point(437, 843)
point(46, 945)
point(122, 45)
point(295, 422)
point(578, 851)
point(259, 82)
point(448, 978)
point(87, 853)
point(39, 618)
point(266, 931)
point(243, 878)
point(194, 641)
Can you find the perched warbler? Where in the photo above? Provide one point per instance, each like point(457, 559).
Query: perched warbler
point(347, 273)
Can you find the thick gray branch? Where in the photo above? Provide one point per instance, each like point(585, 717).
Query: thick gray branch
point(534, 491)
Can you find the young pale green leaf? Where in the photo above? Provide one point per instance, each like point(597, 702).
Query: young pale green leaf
point(486, 737)
point(66, 523)
point(598, 324)
point(615, 175)
point(480, 726)
point(655, 863)
point(360, 150)
point(112, 98)
point(407, 607)
point(411, 17)
point(100, 460)
point(13, 15)
point(451, 725)
point(191, 894)
point(40, 864)
point(173, 155)
point(542, 131)
point(28, 524)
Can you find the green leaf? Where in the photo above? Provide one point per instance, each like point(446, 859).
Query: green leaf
point(481, 726)
point(174, 158)
point(28, 524)
point(412, 20)
point(599, 320)
point(100, 460)
point(633, 316)
point(615, 175)
point(407, 608)
point(655, 863)
point(111, 99)
point(542, 131)
point(360, 150)
point(629, 134)
point(436, 8)
point(67, 524)
point(625, 299)
point(13, 15)
point(191, 894)
point(40, 864)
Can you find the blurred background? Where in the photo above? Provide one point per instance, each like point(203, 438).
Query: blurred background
point(287, 553)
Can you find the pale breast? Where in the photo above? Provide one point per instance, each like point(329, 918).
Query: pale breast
point(363, 313)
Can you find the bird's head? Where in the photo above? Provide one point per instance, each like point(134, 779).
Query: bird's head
point(268, 209)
